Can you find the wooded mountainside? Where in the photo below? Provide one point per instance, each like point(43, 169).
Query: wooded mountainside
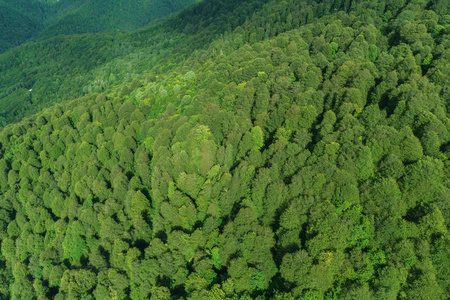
point(26, 20)
point(260, 149)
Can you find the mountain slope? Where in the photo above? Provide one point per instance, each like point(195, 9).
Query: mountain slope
point(66, 67)
point(102, 16)
point(26, 20)
point(19, 21)
point(296, 155)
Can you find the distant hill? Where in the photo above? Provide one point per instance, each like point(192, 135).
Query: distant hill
point(81, 16)
point(20, 20)
point(25, 20)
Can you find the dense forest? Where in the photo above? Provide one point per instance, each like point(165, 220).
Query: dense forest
point(20, 20)
point(263, 149)
point(26, 20)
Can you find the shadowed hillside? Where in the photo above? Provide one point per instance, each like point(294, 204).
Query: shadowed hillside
point(26, 20)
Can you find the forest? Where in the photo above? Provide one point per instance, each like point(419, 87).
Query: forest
point(259, 149)
point(22, 21)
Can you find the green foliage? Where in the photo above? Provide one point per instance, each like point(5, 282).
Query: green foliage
point(258, 138)
point(334, 48)
point(24, 20)
point(20, 21)
point(189, 76)
point(279, 155)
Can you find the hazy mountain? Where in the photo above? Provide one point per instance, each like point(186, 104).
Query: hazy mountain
point(26, 20)
point(20, 21)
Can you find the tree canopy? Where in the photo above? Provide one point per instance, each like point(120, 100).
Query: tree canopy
point(238, 150)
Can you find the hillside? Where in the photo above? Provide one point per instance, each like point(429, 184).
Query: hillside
point(66, 67)
point(299, 152)
point(26, 20)
point(113, 15)
point(20, 20)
